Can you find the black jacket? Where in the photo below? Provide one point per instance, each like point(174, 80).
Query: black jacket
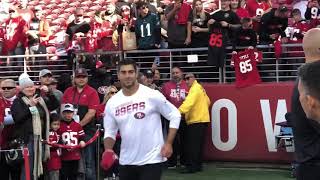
point(306, 132)
point(23, 118)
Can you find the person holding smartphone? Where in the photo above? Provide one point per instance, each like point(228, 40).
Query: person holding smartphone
point(30, 114)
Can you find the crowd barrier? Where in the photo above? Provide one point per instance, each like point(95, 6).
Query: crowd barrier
point(271, 69)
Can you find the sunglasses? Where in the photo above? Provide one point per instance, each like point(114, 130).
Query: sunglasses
point(7, 88)
point(187, 78)
point(144, 7)
point(79, 15)
point(113, 92)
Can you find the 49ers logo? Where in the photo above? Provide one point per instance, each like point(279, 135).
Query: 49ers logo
point(139, 115)
point(129, 108)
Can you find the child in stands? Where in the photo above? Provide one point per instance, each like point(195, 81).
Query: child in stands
point(71, 134)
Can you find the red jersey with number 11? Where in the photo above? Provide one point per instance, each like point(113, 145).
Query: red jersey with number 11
point(245, 67)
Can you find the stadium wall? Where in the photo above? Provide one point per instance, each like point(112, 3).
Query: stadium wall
point(243, 122)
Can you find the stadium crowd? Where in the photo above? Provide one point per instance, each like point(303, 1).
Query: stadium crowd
point(31, 27)
point(39, 27)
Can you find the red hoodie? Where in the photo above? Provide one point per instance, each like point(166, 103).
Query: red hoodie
point(15, 33)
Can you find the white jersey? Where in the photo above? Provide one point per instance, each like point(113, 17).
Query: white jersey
point(137, 117)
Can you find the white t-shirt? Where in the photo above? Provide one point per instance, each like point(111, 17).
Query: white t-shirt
point(138, 119)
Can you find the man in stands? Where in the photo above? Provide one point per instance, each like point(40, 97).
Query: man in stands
point(306, 131)
point(147, 28)
point(256, 9)
point(77, 29)
point(176, 91)
point(179, 16)
point(8, 93)
point(85, 99)
point(313, 12)
point(45, 77)
point(273, 25)
point(15, 37)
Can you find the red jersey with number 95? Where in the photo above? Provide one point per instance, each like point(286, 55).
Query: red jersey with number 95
point(246, 70)
point(70, 134)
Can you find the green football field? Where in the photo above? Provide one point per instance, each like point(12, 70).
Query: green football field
point(212, 172)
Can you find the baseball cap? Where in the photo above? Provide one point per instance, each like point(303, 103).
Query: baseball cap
point(80, 72)
point(67, 107)
point(44, 72)
point(148, 73)
point(108, 159)
point(283, 8)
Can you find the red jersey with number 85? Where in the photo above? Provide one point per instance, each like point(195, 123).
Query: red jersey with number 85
point(246, 70)
point(70, 134)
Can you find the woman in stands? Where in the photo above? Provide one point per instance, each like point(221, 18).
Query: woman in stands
point(30, 113)
point(199, 36)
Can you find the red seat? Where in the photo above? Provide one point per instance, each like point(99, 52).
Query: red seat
point(52, 16)
point(74, 4)
point(56, 11)
point(70, 10)
point(86, 3)
point(64, 15)
point(95, 8)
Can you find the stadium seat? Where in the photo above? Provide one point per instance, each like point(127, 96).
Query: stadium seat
point(74, 4)
point(95, 8)
point(86, 3)
point(70, 10)
point(56, 11)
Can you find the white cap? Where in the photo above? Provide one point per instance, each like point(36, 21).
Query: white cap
point(67, 107)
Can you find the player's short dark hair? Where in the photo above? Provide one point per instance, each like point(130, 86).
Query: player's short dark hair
point(309, 76)
point(54, 117)
point(141, 4)
point(127, 62)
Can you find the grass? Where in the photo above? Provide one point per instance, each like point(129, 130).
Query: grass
point(211, 172)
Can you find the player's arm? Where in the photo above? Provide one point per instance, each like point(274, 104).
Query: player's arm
point(110, 129)
point(171, 113)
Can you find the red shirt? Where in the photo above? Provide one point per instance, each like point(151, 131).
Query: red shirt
point(14, 33)
point(88, 97)
point(54, 163)
point(5, 106)
point(70, 134)
point(245, 67)
point(254, 8)
point(175, 94)
point(298, 31)
point(242, 13)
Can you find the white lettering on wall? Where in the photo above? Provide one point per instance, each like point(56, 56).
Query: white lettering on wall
point(272, 130)
point(232, 125)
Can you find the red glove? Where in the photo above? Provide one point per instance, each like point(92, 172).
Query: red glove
point(108, 159)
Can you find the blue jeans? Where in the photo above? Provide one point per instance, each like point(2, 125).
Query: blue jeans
point(90, 159)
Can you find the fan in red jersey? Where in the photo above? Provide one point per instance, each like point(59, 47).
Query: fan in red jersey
point(246, 70)
point(71, 134)
point(8, 95)
point(256, 9)
point(15, 36)
point(238, 6)
point(296, 33)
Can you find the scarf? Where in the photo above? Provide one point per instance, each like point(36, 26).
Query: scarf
point(37, 136)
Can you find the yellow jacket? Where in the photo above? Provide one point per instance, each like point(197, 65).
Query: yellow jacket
point(196, 105)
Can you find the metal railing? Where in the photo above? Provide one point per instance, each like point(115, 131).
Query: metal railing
point(271, 69)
